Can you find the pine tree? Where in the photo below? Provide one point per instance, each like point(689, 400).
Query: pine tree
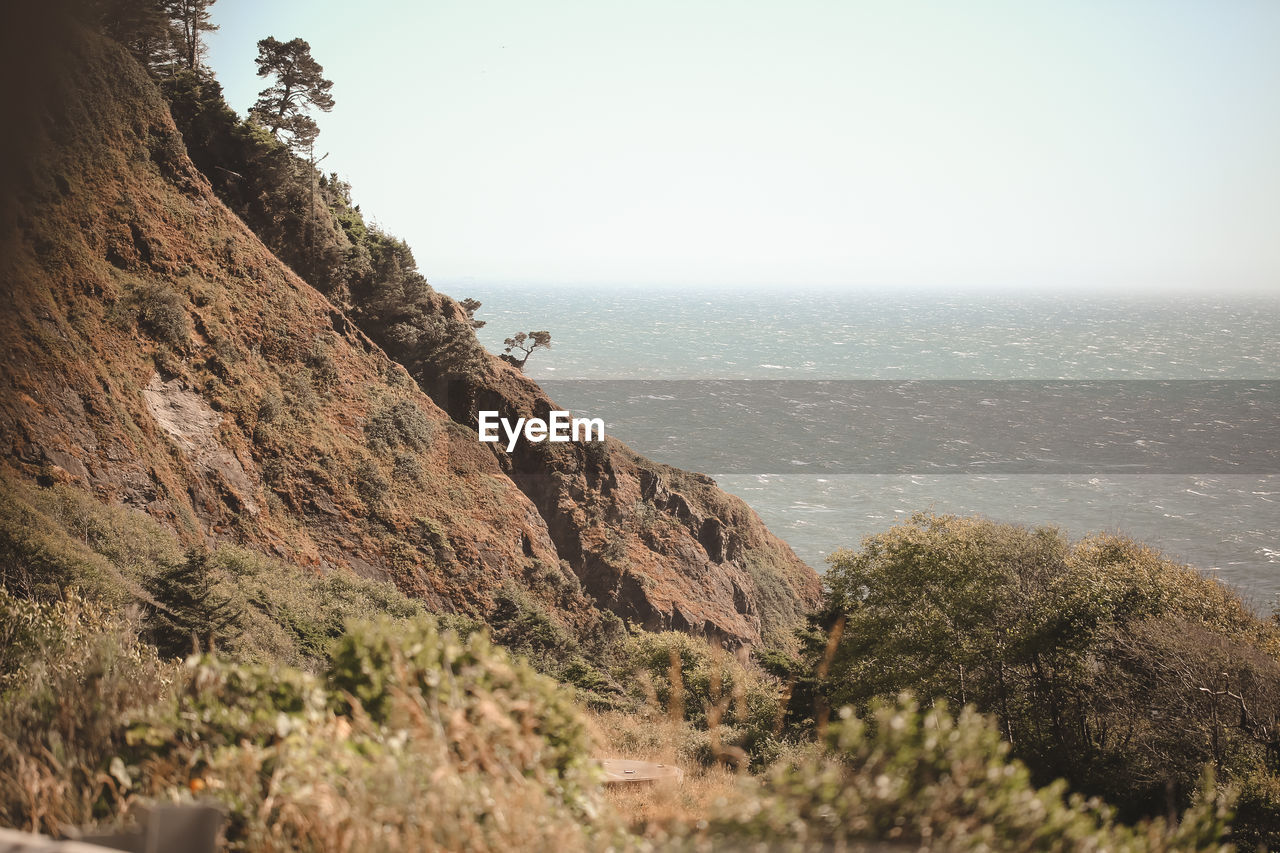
point(299, 85)
point(186, 613)
point(524, 343)
point(142, 26)
point(471, 306)
point(189, 18)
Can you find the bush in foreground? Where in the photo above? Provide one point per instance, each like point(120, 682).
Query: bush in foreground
point(921, 778)
point(736, 705)
point(414, 740)
point(460, 747)
point(1103, 662)
point(70, 675)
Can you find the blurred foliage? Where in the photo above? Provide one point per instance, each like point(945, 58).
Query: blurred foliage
point(737, 704)
point(925, 780)
point(464, 748)
point(1105, 663)
point(70, 673)
point(458, 681)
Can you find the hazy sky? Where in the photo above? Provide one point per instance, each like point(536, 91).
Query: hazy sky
point(1068, 144)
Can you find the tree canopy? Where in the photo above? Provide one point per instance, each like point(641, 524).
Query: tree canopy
point(190, 18)
point(299, 86)
point(471, 306)
point(1104, 662)
point(524, 342)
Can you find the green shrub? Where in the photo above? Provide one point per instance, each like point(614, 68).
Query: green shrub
point(320, 359)
point(162, 313)
point(579, 654)
point(300, 390)
point(371, 484)
point(270, 407)
point(467, 748)
point(414, 739)
point(922, 779)
point(377, 661)
point(1257, 823)
point(62, 541)
point(72, 675)
point(1104, 662)
point(402, 424)
point(688, 679)
point(407, 469)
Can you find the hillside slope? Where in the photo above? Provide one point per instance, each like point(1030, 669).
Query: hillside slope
point(159, 355)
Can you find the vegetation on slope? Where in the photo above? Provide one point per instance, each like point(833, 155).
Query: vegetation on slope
point(1105, 664)
point(308, 220)
point(411, 738)
point(308, 718)
point(456, 747)
point(329, 712)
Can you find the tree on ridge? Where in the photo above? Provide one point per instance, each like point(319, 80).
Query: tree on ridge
point(525, 343)
point(299, 85)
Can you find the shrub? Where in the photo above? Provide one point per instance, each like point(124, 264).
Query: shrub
point(1257, 824)
point(578, 653)
point(737, 703)
point(61, 539)
point(407, 468)
point(162, 313)
point(459, 748)
point(300, 390)
point(290, 616)
point(270, 407)
point(1103, 662)
point(371, 484)
point(402, 424)
point(320, 359)
point(534, 724)
point(72, 674)
point(922, 778)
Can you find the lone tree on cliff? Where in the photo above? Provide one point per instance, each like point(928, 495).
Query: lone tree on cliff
point(299, 85)
point(471, 306)
point(525, 343)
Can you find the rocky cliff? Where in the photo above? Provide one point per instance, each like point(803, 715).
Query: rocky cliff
point(160, 356)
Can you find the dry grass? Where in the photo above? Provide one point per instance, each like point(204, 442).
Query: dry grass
point(654, 810)
point(658, 810)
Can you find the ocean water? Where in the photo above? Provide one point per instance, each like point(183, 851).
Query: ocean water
point(836, 415)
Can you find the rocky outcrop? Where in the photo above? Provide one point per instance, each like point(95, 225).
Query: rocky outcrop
point(663, 547)
point(157, 354)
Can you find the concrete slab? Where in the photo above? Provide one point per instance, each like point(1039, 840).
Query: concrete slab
point(619, 771)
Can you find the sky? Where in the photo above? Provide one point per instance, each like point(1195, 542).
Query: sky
point(1031, 145)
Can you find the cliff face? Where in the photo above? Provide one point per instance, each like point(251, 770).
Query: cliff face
point(663, 547)
point(157, 354)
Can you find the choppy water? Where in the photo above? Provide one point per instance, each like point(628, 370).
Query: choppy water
point(1213, 505)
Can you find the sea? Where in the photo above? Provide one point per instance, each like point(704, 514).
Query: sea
point(835, 415)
